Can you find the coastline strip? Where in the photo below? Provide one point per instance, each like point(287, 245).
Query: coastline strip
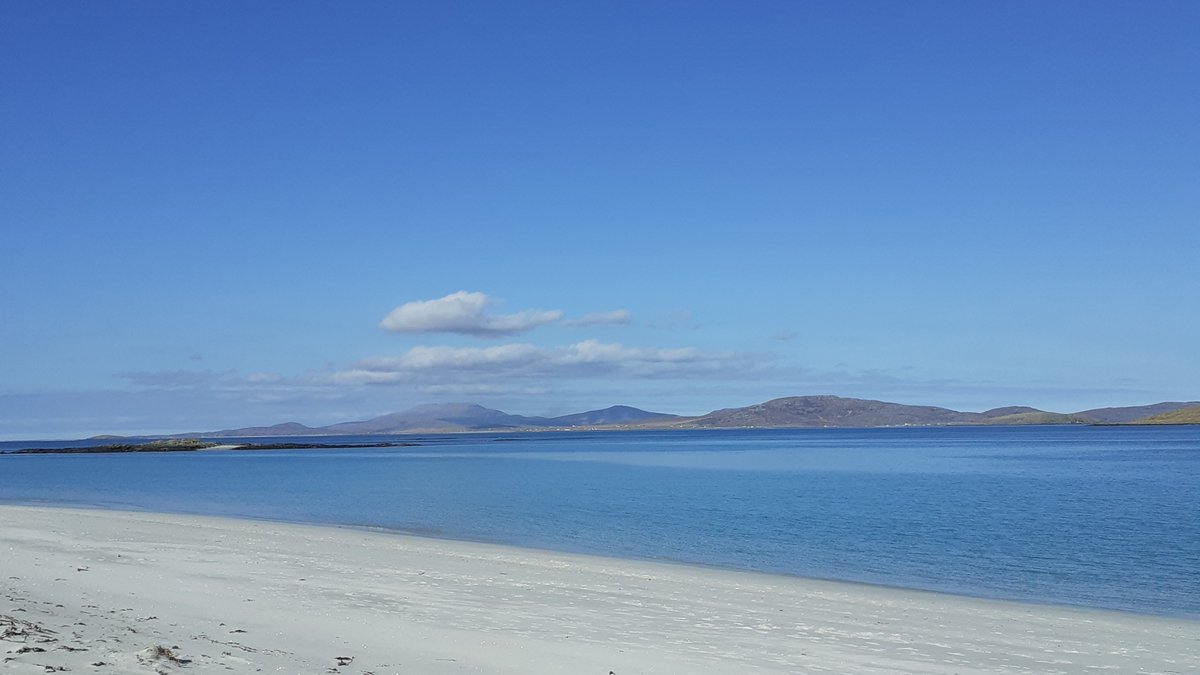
point(156, 593)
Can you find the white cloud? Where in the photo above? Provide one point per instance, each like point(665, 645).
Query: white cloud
point(169, 378)
point(472, 389)
point(455, 358)
point(615, 317)
point(265, 378)
point(463, 313)
point(675, 319)
point(583, 359)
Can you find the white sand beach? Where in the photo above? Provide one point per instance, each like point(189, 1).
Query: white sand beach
point(118, 592)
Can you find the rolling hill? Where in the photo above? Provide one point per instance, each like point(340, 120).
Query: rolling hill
point(1133, 413)
point(438, 417)
point(449, 417)
point(830, 411)
point(617, 414)
point(1181, 416)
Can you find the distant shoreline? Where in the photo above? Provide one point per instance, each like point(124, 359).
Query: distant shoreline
point(161, 444)
point(192, 445)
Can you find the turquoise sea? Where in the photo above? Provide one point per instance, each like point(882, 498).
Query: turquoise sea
point(1093, 516)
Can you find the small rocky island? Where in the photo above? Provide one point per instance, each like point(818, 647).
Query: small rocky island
point(193, 444)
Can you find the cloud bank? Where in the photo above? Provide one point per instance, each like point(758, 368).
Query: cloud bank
point(465, 314)
point(169, 378)
point(589, 358)
point(615, 317)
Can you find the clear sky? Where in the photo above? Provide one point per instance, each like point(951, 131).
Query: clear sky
point(217, 214)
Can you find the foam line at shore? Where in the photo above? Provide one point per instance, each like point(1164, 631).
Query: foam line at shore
point(147, 593)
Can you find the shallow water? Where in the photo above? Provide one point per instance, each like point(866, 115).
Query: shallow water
point(1093, 516)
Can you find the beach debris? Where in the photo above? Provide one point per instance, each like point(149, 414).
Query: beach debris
point(161, 653)
point(13, 629)
point(28, 650)
point(238, 645)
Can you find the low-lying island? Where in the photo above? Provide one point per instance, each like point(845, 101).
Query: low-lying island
point(120, 592)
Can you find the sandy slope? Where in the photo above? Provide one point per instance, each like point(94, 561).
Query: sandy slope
point(110, 588)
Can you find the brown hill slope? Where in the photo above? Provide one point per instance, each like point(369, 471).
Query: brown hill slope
point(1181, 416)
point(830, 411)
point(1039, 417)
point(1132, 413)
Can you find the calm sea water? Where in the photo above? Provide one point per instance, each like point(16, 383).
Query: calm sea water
point(1094, 516)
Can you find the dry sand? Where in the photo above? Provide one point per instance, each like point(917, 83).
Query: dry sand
point(114, 592)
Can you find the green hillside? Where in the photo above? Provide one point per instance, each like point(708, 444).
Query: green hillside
point(1038, 418)
point(1184, 416)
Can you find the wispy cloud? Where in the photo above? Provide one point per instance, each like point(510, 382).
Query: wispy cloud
point(589, 358)
point(169, 378)
point(463, 313)
point(675, 319)
point(474, 389)
point(615, 317)
point(229, 383)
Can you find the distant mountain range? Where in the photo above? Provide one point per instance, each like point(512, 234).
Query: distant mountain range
point(835, 411)
point(450, 417)
point(790, 412)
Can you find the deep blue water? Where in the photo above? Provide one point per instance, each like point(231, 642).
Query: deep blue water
point(1094, 516)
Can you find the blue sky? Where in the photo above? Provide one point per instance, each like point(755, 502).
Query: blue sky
point(208, 210)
